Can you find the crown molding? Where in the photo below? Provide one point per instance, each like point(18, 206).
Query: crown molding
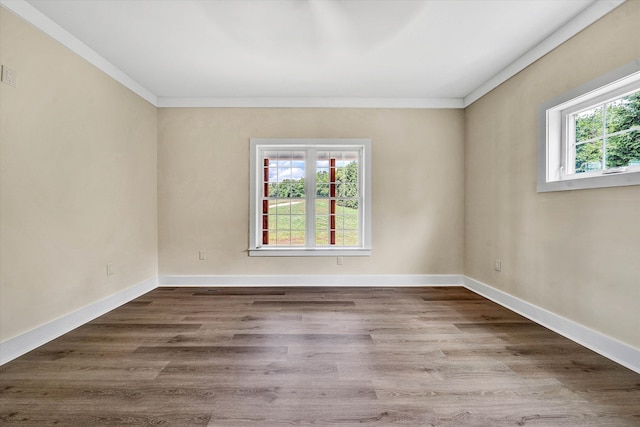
point(30, 14)
point(39, 20)
point(313, 102)
point(581, 21)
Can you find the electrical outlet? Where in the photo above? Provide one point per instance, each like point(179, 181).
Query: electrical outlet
point(497, 265)
point(202, 255)
point(340, 260)
point(8, 76)
point(110, 270)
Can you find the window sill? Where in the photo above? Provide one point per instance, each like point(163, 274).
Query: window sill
point(309, 252)
point(598, 181)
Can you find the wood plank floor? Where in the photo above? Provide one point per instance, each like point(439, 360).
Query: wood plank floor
point(324, 356)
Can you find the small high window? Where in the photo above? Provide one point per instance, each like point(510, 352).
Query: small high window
point(310, 197)
point(590, 137)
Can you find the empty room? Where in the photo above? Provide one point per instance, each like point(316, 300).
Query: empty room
point(328, 212)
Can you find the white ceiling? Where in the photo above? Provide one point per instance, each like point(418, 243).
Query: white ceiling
point(443, 52)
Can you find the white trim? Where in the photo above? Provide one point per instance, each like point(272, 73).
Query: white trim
point(32, 15)
point(594, 12)
point(17, 346)
point(587, 17)
point(606, 346)
point(293, 251)
point(551, 148)
point(602, 344)
point(311, 102)
point(310, 146)
point(356, 280)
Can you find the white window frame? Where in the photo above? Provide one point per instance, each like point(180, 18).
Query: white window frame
point(555, 134)
point(255, 235)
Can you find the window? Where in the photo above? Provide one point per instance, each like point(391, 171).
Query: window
point(310, 197)
point(590, 137)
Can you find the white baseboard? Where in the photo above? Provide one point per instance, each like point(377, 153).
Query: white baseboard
point(316, 280)
point(28, 341)
point(608, 347)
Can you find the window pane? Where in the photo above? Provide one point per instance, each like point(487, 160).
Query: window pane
point(322, 222)
point(353, 204)
point(346, 163)
point(322, 238)
point(286, 222)
point(322, 207)
point(283, 222)
point(351, 219)
point(298, 206)
point(351, 173)
point(285, 173)
point(589, 124)
point(283, 238)
point(322, 190)
point(272, 220)
point(351, 190)
point(297, 189)
point(280, 173)
point(589, 157)
point(298, 238)
point(623, 149)
point(351, 237)
point(298, 222)
point(347, 206)
point(273, 190)
point(623, 113)
point(284, 189)
point(282, 206)
point(345, 224)
point(339, 221)
point(347, 190)
point(272, 237)
point(339, 237)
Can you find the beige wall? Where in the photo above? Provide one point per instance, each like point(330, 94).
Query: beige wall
point(78, 188)
point(575, 253)
point(77, 184)
point(203, 161)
